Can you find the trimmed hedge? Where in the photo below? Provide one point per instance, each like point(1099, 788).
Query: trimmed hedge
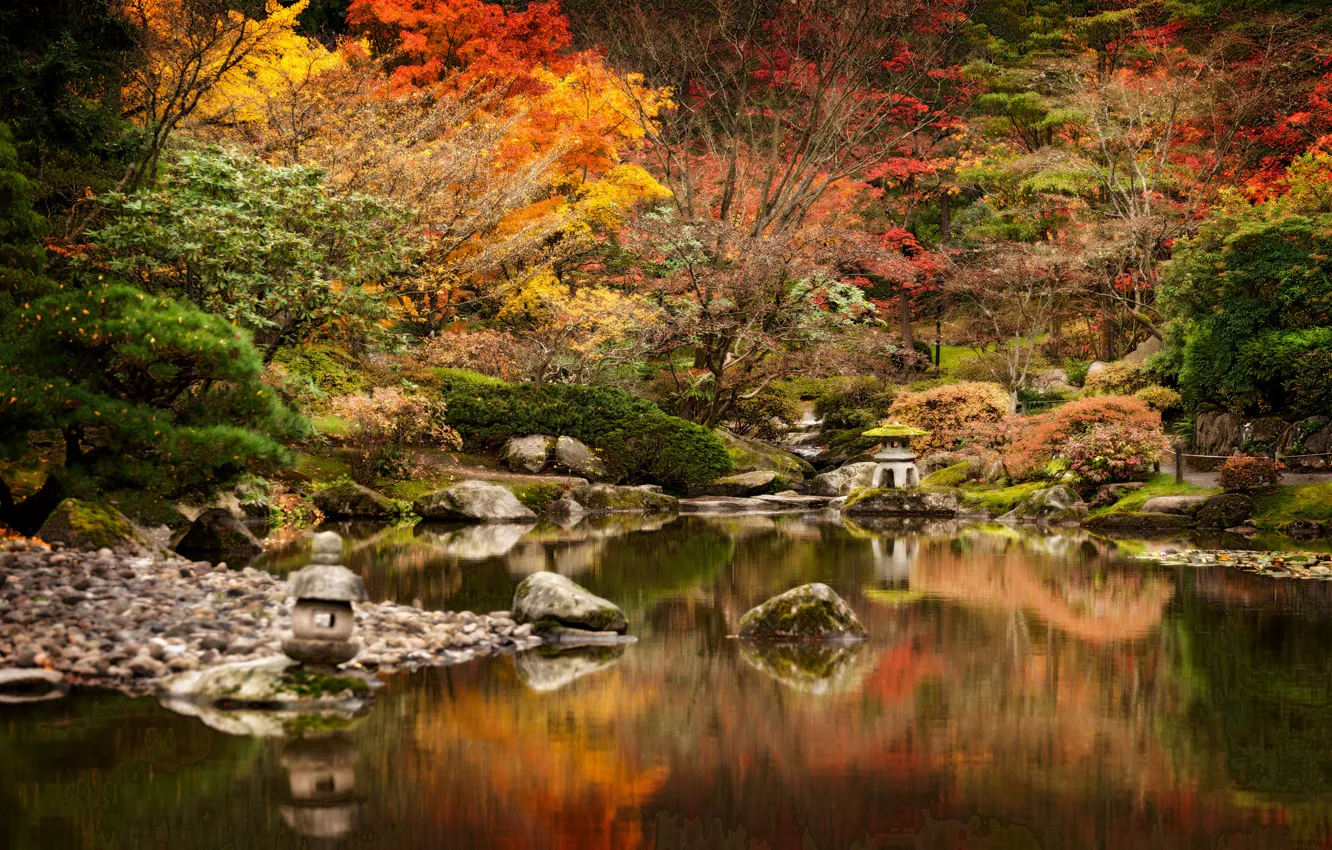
point(634, 437)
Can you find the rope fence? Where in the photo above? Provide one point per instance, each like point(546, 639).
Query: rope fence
point(1181, 456)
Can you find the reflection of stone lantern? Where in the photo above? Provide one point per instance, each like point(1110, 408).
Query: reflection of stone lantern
point(322, 622)
point(322, 776)
point(896, 461)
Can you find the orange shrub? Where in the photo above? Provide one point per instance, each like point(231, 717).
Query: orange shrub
point(1245, 472)
point(1041, 438)
point(956, 415)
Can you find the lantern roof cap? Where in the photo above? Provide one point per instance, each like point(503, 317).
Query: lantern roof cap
point(327, 582)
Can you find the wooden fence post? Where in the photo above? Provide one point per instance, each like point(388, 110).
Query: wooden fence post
point(1179, 464)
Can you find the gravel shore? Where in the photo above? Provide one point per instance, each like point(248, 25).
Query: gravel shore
point(108, 620)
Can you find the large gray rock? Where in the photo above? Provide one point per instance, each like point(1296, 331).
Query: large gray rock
point(275, 681)
point(474, 501)
point(528, 454)
point(219, 533)
point(608, 499)
point(1185, 505)
point(939, 503)
point(741, 484)
point(1108, 494)
point(1266, 434)
point(572, 455)
point(1216, 432)
point(1312, 436)
point(1052, 504)
point(30, 684)
point(1226, 510)
point(845, 480)
point(349, 500)
point(94, 525)
point(326, 582)
point(552, 599)
point(808, 612)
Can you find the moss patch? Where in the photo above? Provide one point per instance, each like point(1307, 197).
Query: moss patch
point(322, 470)
point(1159, 485)
point(87, 525)
point(310, 685)
point(1130, 520)
point(537, 497)
point(999, 499)
point(1301, 501)
point(953, 476)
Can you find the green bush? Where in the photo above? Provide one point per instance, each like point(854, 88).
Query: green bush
point(1309, 387)
point(1077, 371)
point(854, 403)
point(760, 417)
point(1161, 399)
point(635, 438)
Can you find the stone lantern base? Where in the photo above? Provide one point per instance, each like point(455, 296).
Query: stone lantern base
point(321, 653)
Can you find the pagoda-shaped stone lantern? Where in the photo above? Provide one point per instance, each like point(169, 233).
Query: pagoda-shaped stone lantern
point(896, 462)
point(322, 621)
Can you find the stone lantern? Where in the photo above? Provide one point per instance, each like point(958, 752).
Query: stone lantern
point(896, 462)
point(322, 621)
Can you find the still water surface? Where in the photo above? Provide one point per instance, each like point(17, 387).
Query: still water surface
point(1017, 691)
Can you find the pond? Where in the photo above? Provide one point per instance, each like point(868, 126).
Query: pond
point(1018, 690)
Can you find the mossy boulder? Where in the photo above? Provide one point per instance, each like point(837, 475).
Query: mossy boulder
point(1226, 510)
point(809, 612)
point(845, 480)
point(92, 526)
point(1303, 529)
point(752, 456)
point(551, 600)
point(610, 499)
point(953, 476)
point(275, 682)
point(1050, 504)
point(917, 502)
point(349, 500)
point(1138, 521)
point(530, 454)
point(219, 533)
point(574, 456)
point(1186, 505)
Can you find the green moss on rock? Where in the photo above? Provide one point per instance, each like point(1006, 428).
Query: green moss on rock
point(89, 525)
point(808, 612)
point(1136, 521)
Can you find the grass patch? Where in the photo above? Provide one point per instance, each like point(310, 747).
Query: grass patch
point(331, 426)
point(537, 497)
point(1299, 501)
point(1158, 485)
point(410, 491)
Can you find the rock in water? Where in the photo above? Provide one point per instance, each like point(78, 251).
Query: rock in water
point(577, 458)
point(808, 612)
point(939, 503)
point(844, 480)
point(30, 685)
point(1226, 510)
point(477, 501)
point(91, 526)
point(550, 598)
point(814, 668)
point(610, 499)
point(743, 484)
point(1052, 504)
point(349, 500)
point(218, 532)
point(526, 454)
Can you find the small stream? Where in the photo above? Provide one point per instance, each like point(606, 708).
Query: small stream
point(1018, 690)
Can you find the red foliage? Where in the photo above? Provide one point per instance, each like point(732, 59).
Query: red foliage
point(1245, 472)
point(479, 42)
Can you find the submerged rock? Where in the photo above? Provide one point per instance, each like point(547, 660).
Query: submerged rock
point(349, 500)
point(813, 668)
point(549, 668)
point(550, 599)
point(1226, 510)
point(476, 501)
point(574, 456)
point(918, 502)
point(808, 612)
point(1052, 504)
point(742, 484)
point(528, 454)
point(218, 532)
point(92, 526)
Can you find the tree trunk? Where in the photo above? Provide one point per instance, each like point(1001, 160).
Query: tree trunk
point(945, 218)
point(904, 300)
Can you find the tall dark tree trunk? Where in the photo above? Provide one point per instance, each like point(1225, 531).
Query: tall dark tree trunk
point(945, 218)
point(904, 300)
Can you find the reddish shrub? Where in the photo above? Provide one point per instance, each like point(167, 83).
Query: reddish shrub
point(1041, 438)
point(1245, 472)
point(1114, 452)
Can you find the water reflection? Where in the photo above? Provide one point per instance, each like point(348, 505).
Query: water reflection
point(322, 781)
point(1017, 691)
